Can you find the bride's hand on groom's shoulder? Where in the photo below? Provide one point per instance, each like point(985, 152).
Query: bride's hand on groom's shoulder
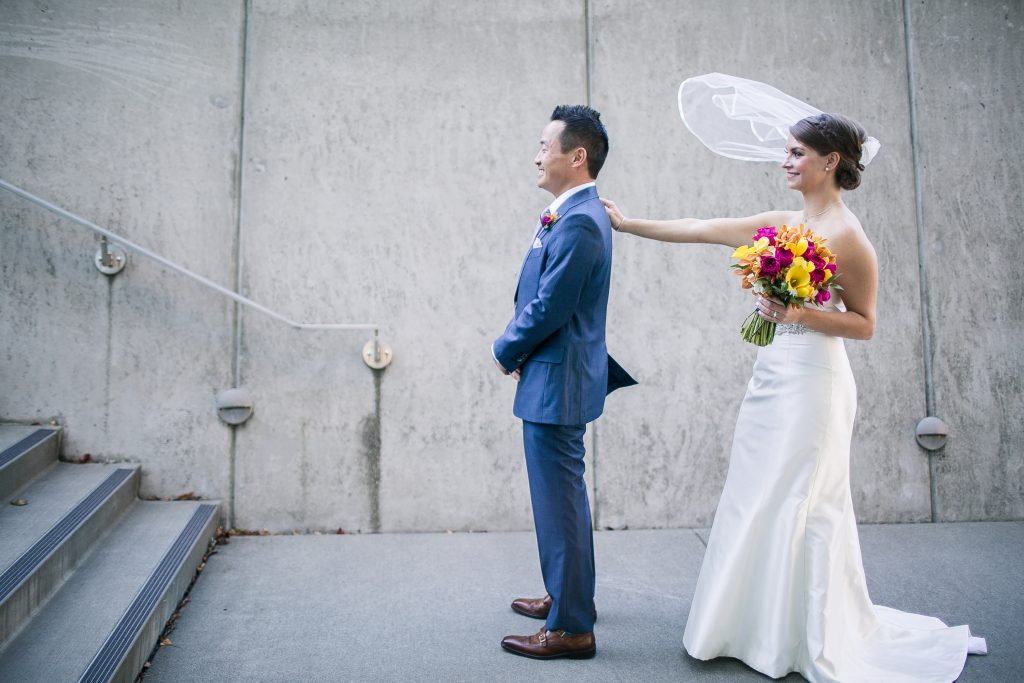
point(614, 214)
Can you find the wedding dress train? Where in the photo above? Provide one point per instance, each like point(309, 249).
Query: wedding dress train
point(782, 584)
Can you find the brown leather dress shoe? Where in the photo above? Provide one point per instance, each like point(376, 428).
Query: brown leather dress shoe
point(545, 644)
point(536, 608)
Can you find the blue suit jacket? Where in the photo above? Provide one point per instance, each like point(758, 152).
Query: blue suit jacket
point(557, 338)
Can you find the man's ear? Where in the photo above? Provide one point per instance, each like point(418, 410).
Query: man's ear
point(579, 157)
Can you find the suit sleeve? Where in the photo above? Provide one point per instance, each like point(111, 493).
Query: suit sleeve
point(574, 249)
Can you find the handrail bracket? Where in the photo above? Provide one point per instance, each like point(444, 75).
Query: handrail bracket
point(377, 355)
point(110, 258)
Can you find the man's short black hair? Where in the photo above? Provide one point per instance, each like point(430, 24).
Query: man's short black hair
point(583, 128)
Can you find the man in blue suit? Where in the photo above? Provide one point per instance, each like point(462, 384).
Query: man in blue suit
point(555, 348)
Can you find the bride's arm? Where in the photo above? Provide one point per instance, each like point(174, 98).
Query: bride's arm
point(731, 232)
point(857, 265)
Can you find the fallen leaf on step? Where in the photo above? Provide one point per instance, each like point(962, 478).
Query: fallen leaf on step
point(19, 502)
point(166, 641)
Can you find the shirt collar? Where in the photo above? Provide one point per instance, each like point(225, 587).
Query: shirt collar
point(560, 199)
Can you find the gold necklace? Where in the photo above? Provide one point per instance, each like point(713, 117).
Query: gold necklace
point(822, 212)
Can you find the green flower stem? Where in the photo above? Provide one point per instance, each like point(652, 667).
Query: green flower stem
point(757, 330)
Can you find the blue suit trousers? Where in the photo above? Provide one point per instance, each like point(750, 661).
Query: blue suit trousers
point(561, 516)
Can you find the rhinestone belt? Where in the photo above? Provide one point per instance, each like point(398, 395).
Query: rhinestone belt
point(795, 328)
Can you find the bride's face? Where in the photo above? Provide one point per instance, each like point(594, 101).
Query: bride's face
point(805, 168)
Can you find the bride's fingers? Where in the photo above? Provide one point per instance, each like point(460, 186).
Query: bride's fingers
point(770, 312)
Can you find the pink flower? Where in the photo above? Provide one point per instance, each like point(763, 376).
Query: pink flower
point(823, 296)
point(831, 268)
point(785, 257)
point(767, 231)
point(547, 218)
point(810, 249)
point(817, 276)
point(770, 266)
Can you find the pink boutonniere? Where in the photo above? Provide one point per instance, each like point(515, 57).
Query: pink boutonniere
point(547, 219)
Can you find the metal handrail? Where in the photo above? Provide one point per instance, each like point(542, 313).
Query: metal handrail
point(53, 208)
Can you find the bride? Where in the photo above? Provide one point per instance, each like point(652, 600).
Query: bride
point(782, 584)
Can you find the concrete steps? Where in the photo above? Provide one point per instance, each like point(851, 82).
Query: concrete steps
point(24, 453)
point(89, 575)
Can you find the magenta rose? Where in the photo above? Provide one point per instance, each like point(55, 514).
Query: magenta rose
point(785, 257)
point(770, 266)
point(823, 296)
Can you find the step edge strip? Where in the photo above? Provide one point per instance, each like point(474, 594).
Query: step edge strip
point(11, 453)
point(22, 568)
point(126, 632)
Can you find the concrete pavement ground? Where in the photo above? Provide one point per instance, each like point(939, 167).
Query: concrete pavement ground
point(433, 607)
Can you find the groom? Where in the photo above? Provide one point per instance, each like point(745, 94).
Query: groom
point(555, 348)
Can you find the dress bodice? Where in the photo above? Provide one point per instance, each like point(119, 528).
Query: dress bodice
point(834, 304)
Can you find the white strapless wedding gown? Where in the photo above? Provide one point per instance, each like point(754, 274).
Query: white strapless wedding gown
point(782, 584)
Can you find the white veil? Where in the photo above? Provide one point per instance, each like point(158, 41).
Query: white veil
point(743, 119)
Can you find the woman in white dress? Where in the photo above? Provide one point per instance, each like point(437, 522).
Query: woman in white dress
point(782, 584)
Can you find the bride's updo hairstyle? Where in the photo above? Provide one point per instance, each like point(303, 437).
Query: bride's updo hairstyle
point(827, 133)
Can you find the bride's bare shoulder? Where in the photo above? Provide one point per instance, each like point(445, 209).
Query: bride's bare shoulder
point(848, 235)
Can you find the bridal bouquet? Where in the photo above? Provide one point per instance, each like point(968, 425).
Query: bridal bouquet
point(792, 265)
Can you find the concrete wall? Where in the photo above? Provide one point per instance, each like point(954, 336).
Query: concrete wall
point(127, 114)
point(367, 161)
point(970, 60)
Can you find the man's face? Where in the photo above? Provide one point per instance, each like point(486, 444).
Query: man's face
point(554, 166)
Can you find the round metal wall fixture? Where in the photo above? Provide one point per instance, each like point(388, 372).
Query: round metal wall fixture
point(234, 406)
point(377, 355)
point(931, 433)
point(111, 260)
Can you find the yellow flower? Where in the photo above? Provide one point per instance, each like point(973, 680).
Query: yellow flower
point(742, 252)
point(798, 279)
point(746, 252)
point(802, 263)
